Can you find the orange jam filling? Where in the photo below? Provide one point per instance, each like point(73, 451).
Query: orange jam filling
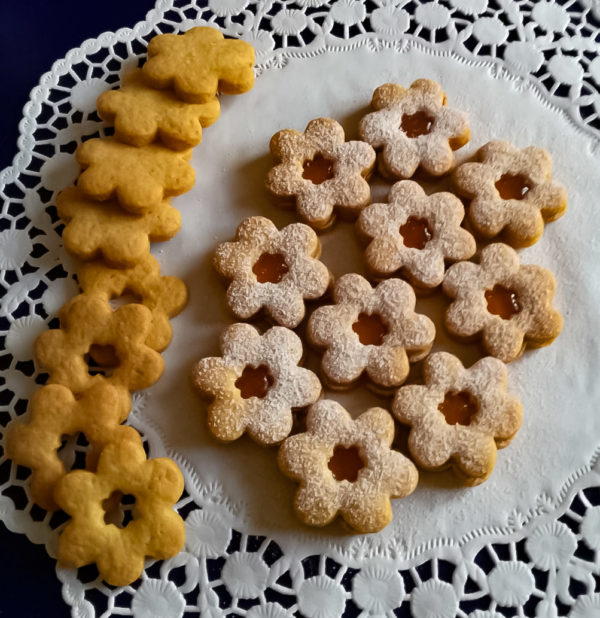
point(370, 328)
point(458, 408)
point(254, 381)
point(502, 301)
point(270, 268)
point(419, 123)
point(513, 186)
point(102, 359)
point(318, 169)
point(345, 463)
point(415, 233)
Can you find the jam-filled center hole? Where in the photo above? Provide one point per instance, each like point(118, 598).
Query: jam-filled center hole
point(254, 381)
point(458, 407)
point(270, 268)
point(370, 328)
point(513, 186)
point(419, 123)
point(102, 359)
point(345, 463)
point(118, 509)
point(502, 301)
point(318, 169)
point(415, 233)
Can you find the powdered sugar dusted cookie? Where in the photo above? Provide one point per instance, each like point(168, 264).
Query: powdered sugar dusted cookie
point(371, 330)
point(255, 384)
point(511, 192)
point(346, 467)
point(460, 416)
point(414, 128)
point(318, 171)
point(509, 304)
point(415, 233)
point(271, 269)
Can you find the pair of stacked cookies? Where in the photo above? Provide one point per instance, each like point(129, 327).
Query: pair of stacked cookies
point(111, 335)
point(415, 243)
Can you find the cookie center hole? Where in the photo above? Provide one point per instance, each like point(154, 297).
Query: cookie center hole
point(370, 328)
point(513, 186)
point(318, 169)
point(419, 123)
point(118, 509)
point(126, 298)
point(73, 451)
point(458, 407)
point(270, 268)
point(254, 381)
point(345, 463)
point(502, 301)
point(102, 359)
point(416, 233)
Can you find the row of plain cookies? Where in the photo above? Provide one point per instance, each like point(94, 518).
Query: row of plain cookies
point(99, 354)
point(459, 417)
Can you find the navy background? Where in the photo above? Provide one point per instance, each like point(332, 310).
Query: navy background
point(33, 34)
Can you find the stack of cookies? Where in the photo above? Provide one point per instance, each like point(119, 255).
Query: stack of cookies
point(111, 335)
point(367, 330)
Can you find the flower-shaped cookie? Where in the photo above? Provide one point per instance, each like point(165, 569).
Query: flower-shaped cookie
point(415, 128)
point(371, 330)
point(143, 283)
point(156, 530)
point(346, 466)
point(103, 229)
point(272, 270)
point(256, 384)
point(90, 321)
point(141, 114)
point(198, 63)
point(460, 416)
point(139, 178)
point(55, 412)
point(511, 192)
point(415, 233)
point(318, 171)
point(509, 304)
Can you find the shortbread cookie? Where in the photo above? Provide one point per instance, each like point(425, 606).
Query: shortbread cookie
point(104, 230)
point(142, 283)
point(508, 304)
point(156, 530)
point(414, 128)
point(346, 467)
point(511, 192)
point(318, 171)
point(139, 178)
point(90, 322)
point(372, 330)
point(273, 270)
point(415, 234)
point(199, 63)
point(54, 413)
point(459, 417)
point(141, 115)
point(255, 384)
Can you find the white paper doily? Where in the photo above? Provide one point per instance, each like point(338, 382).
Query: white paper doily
point(527, 543)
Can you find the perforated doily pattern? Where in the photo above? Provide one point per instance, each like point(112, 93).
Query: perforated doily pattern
point(547, 565)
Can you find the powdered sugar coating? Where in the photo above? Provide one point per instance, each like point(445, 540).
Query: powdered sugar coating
point(521, 219)
point(433, 442)
point(364, 503)
point(409, 335)
point(387, 251)
point(307, 277)
point(268, 420)
point(402, 155)
point(537, 323)
point(347, 190)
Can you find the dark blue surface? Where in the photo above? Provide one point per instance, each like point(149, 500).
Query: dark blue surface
point(33, 34)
